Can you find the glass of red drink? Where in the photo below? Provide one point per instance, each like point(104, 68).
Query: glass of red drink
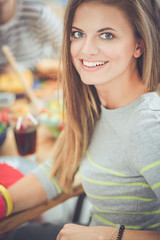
point(26, 140)
point(25, 132)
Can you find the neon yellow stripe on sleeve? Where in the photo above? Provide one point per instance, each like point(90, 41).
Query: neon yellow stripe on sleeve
point(157, 185)
point(56, 185)
point(53, 180)
point(149, 167)
point(44, 170)
point(49, 164)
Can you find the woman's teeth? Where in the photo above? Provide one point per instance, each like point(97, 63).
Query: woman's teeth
point(93, 64)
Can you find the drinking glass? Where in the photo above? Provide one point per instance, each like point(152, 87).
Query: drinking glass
point(25, 133)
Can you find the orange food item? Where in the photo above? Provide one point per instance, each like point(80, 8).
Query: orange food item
point(49, 68)
point(10, 82)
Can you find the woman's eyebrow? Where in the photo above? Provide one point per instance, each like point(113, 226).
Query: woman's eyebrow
point(99, 31)
point(106, 29)
point(78, 29)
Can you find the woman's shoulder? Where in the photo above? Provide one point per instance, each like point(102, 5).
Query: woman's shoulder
point(144, 122)
point(144, 132)
point(147, 110)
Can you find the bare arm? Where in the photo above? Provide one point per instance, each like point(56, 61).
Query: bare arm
point(26, 193)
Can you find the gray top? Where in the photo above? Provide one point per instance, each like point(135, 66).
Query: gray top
point(121, 169)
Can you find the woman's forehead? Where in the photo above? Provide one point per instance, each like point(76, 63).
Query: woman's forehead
point(98, 15)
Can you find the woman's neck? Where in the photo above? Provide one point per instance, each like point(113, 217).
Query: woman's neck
point(7, 10)
point(122, 93)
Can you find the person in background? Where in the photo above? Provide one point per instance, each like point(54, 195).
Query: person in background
point(112, 131)
point(58, 2)
point(31, 30)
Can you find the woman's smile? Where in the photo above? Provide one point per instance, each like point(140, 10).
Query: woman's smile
point(92, 65)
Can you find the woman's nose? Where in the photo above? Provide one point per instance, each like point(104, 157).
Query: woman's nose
point(90, 47)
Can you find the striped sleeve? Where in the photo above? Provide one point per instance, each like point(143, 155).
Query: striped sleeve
point(145, 152)
point(42, 172)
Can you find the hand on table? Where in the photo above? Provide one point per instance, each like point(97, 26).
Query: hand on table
point(79, 232)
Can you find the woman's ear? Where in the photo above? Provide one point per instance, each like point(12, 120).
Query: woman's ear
point(139, 48)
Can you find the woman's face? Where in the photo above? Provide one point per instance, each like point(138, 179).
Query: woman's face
point(103, 46)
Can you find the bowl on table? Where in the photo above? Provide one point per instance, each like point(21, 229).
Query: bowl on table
point(52, 116)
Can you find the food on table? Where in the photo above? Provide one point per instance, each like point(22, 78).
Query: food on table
point(52, 117)
point(10, 82)
point(4, 115)
point(48, 68)
point(3, 127)
point(46, 88)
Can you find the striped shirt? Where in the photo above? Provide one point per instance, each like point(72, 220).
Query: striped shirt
point(34, 33)
point(121, 169)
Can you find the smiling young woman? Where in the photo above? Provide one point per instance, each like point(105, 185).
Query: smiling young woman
point(110, 61)
point(105, 52)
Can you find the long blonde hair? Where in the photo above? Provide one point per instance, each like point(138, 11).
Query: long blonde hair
point(81, 101)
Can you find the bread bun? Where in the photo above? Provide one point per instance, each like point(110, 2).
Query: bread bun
point(48, 68)
point(10, 82)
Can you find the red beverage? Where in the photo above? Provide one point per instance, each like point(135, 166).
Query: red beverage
point(26, 140)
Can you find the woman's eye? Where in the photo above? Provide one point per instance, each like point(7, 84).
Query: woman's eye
point(108, 36)
point(76, 35)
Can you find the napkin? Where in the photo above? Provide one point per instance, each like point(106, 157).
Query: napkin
point(9, 175)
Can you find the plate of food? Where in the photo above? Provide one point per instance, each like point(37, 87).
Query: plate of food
point(52, 116)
